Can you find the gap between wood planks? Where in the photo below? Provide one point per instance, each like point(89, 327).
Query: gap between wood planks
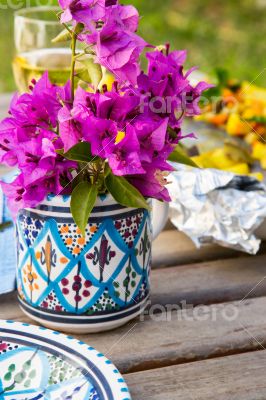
point(159, 343)
point(162, 341)
point(175, 248)
point(210, 282)
point(240, 377)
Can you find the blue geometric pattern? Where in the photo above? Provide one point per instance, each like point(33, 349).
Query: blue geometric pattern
point(39, 364)
point(106, 269)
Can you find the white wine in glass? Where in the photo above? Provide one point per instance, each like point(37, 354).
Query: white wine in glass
point(35, 53)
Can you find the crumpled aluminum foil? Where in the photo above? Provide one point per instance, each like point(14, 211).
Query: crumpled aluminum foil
point(214, 206)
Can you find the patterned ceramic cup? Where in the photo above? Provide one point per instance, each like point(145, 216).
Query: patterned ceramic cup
point(91, 284)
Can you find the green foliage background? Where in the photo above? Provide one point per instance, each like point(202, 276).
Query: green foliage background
point(228, 33)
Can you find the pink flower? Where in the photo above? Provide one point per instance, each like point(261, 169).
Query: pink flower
point(38, 108)
point(126, 17)
point(118, 50)
point(29, 140)
point(152, 136)
point(166, 89)
point(8, 142)
point(101, 134)
point(20, 195)
point(69, 128)
point(151, 184)
point(124, 157)
point(82, 11)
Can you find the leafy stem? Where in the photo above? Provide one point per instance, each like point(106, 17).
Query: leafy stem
point(73, 63)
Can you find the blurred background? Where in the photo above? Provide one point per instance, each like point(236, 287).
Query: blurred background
point(229, 34)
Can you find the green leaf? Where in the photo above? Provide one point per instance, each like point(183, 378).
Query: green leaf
point(124, 193)
point(10, 388)
point(79, 28)
point(222, 76)
point(63, 36)
point(20, 377)
point(209, 94)
point(179, 156)
point(83, 200)
point(84, 75)
point(80, 152)
point(32, 374)
point(8, 376)
point(260, 119)
point(27, 365)
point(12, 367)
point(91, 73)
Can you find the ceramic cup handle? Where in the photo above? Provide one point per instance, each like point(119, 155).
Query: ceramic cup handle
point(159, 216)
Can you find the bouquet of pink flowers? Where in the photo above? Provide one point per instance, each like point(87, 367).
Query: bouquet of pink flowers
point(83, 139)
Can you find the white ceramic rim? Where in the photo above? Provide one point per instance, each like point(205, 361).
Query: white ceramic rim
point(108, 369)
point(61, 200)
point(64, 201)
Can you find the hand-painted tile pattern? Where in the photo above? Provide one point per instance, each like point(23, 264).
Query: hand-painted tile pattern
point(59, 271)
point(38, 364)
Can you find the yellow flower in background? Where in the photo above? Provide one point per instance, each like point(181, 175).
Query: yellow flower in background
point(240, 112)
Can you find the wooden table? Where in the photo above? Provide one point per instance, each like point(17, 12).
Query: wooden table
point(215, 349)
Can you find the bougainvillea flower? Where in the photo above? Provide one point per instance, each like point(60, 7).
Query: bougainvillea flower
point(134, 127)
point(8, 142)
point(36, 158)
point(125, 16)
point(151, 184)
point(96, 118)
point(193, 96)
point(151, 135)
point(118, 50)
point(38, 108)
point(20, 195)
point(113, 105)
point(29, 140)
point(69, 128)
point(82, 11)
point(62, 176)
point(109, 3)
point(101, 134)
point(124, 158)
point(27, 192)
point(166, 90)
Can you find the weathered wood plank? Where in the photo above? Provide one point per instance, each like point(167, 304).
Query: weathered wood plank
point(210, 282)
point(174, 338)
point(238, 377)
point(9, 308)
point(175, 248)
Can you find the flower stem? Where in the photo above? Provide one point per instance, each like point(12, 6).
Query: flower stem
point(73, 63)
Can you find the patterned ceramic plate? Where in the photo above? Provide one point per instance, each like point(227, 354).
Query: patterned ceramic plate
point(39, 364)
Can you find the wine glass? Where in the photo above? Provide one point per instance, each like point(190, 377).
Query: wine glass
point(35, 28)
